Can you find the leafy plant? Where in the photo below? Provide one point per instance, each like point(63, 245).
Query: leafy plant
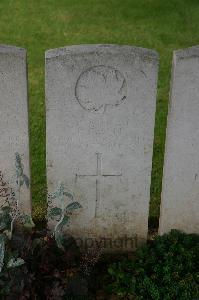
point(9, 211)
point(43, 271)
point(2, 250)
point(20, 179)
point(168, 268)
point(61, 214)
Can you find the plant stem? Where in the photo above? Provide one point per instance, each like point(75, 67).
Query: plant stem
point(17, 206)
point(57, 231)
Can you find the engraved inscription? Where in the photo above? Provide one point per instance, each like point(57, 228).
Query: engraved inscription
point(100, 87)
point(98, 176)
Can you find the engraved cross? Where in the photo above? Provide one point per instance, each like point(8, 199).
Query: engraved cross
point(98, 176)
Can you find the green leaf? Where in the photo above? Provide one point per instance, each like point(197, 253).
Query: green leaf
point(55, 211)
point(3, 225)
point(69, 195)
point(2, 250)
point(6, 209)
point(26, 180)
point(53, 196)
point(65, 220)
point(59, 239)
point(13, 263)
point(5, 218)
point(21, 182)
point(28, 222)
point(73, 206)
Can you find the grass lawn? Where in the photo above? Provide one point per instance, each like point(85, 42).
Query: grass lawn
point(38, 25)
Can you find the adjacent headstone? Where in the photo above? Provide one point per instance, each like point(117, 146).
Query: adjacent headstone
point(14, 138)
point(100, 102)
point(180, 190)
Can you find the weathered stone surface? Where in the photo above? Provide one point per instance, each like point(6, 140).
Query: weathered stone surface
point(100, 102)
point(14, 136)
point(180, 191)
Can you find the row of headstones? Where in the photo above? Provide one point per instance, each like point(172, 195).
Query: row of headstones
point(100, 106)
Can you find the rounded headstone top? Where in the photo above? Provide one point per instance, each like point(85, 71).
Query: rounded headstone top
point(7, 49)
point(103, 48)
point(187, 53)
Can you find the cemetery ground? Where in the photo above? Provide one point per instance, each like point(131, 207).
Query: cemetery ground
point(37, 26)
point(166, 268)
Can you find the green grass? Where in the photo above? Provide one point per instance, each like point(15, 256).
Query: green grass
point(37, 25)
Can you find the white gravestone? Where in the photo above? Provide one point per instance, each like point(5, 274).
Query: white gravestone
point(100, 102)
point(14, 137)
point(180, 190)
